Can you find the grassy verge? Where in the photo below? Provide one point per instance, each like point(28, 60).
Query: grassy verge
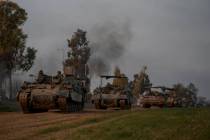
point(157, 124)
point(9, 106)
point(89, 121)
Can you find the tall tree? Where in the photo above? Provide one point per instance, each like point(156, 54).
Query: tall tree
point(14, 55)
point(192, 91)
point(188, 93)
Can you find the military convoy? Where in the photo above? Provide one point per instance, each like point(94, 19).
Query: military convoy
point(122, 94)
point(65, 91)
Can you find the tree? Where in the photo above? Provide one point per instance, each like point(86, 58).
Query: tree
point(192, 91)
point(186, 95)
point(180, 90)
point(14, 55)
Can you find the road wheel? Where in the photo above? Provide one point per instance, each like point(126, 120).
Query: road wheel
point(128, 106)
point(122, 104)
point(63, 105)
point(24, 100)
point(146, 105)
point(97, 105)
point(161, 105)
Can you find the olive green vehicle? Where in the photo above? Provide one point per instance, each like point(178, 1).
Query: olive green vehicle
point(66, 91)
point(115, 95)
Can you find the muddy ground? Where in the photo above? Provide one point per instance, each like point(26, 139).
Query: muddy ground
point(16, 125)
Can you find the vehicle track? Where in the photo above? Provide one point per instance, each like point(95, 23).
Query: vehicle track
point(16, 125)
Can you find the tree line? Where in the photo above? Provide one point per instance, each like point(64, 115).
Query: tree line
point(14, 54)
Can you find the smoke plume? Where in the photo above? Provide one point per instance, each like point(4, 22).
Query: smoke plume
point(109, 42)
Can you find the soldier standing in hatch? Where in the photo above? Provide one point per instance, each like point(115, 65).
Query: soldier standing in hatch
point(59, 76)
point(41, 77)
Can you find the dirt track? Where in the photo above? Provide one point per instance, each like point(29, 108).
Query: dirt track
point(16, 125)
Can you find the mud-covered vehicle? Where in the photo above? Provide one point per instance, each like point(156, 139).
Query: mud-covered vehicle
point(116, 95)
point(163, 98)
point(148, 101)
point(65, 91)
point(145, 94)
point(66, 94)
point(73, 93)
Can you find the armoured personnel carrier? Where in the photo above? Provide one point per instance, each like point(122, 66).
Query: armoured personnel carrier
point(115, 95)
point(65, 91)
point(149, 100)
point(146, 95)
point(161, 98)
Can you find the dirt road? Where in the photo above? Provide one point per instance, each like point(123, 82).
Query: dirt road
point(16, 125)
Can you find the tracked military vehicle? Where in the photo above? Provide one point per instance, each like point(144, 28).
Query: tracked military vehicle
point(161, 98)
point(146, 95)
point(65, 91)
point(115, 95)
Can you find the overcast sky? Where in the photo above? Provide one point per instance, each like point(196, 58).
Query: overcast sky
point(171, 37)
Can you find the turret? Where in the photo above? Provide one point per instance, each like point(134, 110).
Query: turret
point(119, 80)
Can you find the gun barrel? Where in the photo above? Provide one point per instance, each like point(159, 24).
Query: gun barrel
point(112, 76)
point(160, 87)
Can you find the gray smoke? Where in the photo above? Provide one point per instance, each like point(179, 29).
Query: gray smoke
point(171, 37)
point(109, 41)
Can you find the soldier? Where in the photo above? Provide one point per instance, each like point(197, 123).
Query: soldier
point(41, 77)
point(59, 76)
point(108, 85)
point(146, 81)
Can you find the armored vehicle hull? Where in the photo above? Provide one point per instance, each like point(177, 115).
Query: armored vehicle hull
point(148, 101)
point(115, 95)
point(112, 100)
point(155, 98)
point(42, 97)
